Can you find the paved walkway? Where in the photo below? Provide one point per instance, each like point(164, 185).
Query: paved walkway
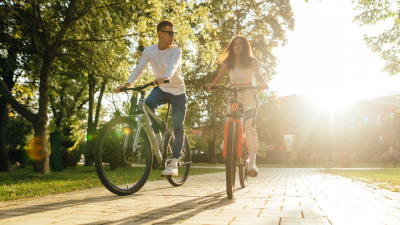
point(276, 196)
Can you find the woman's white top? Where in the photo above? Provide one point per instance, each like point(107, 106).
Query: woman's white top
point(164, 63)
point(242, 76)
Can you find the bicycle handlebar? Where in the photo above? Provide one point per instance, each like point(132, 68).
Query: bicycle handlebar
point(124, 89)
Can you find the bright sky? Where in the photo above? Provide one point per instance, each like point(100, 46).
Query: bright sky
point(327, 58)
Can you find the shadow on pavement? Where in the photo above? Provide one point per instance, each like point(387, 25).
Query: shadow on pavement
point(208, 202)
point(38, 208)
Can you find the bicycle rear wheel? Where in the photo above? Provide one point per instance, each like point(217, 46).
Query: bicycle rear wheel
point(183, 162)
point(243, 166)
point(122, 170)
point(231, 158)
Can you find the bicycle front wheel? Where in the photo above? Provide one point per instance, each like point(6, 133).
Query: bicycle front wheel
point(122, 169)
point(231, 158)
point(183, 162)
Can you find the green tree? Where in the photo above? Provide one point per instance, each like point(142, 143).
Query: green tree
point(386, 43)
point(78, 40)
point(17, 59)
point(269, 120)
point(48, 23)
point(67, 98)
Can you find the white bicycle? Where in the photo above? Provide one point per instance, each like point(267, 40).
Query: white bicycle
point(125, 147)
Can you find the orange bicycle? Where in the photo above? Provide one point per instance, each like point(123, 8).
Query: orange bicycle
point(235, 144)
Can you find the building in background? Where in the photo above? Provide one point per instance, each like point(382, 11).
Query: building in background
point(365, 128)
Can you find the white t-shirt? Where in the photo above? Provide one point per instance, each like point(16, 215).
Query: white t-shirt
point(165, 63)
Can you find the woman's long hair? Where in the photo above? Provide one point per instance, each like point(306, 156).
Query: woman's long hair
point(229, 56)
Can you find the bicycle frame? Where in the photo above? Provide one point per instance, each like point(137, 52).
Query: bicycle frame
point(144, 113)
point(237, 117)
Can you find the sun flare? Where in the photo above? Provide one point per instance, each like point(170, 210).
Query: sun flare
point(330, 103)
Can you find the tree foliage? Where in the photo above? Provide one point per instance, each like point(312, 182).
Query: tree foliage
point(51, 25)
point(66, 53)
point(385, 44)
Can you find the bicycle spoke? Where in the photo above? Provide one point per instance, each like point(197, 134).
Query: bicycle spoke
point(121, 168)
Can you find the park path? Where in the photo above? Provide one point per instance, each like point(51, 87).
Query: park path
point(276, 196)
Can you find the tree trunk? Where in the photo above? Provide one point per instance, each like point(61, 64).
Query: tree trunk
point(41, 154)
point(56, 115)
point(214, 154)
point(92, 126)
point(41, 164)
point(5, 164)
point(211, 149)
point(39, 150)
point(89, 156)
point(98, 107)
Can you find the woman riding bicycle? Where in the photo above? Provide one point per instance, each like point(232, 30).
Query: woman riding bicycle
point(238, 60)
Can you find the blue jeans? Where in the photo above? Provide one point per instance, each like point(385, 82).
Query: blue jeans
point(155, 99)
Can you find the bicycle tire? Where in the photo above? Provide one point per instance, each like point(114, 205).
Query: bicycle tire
point(231, 158)
point(122, 171)
point(183, 164)
point(244, 166)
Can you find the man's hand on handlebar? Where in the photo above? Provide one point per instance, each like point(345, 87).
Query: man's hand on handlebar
point(159, 81)
point(208, 86)
point(117, 90)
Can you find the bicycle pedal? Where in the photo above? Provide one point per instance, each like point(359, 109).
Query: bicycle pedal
point(166, 175)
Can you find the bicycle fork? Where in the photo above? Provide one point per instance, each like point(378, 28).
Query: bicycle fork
point(152, 137)
point(239, 138)
point(139, 127)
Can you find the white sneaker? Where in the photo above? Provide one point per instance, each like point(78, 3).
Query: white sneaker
point(172, 169)
point(252, 171)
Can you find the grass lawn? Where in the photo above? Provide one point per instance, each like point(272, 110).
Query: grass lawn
point(293, 166)
point(22, 183)
point(209, 165)
point(383, 178)
point(263, 165)
point(321, 165)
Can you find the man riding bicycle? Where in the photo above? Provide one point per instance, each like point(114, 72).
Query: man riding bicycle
point(165, 59)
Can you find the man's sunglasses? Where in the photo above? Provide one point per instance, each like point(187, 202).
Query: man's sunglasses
point(171, 33)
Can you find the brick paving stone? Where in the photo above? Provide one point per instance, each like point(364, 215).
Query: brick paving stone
point(277, 196)
point(256, 220)
point(303, 221)
point(204, 221)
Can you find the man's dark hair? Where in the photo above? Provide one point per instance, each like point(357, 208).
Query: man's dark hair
point(163, 24)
